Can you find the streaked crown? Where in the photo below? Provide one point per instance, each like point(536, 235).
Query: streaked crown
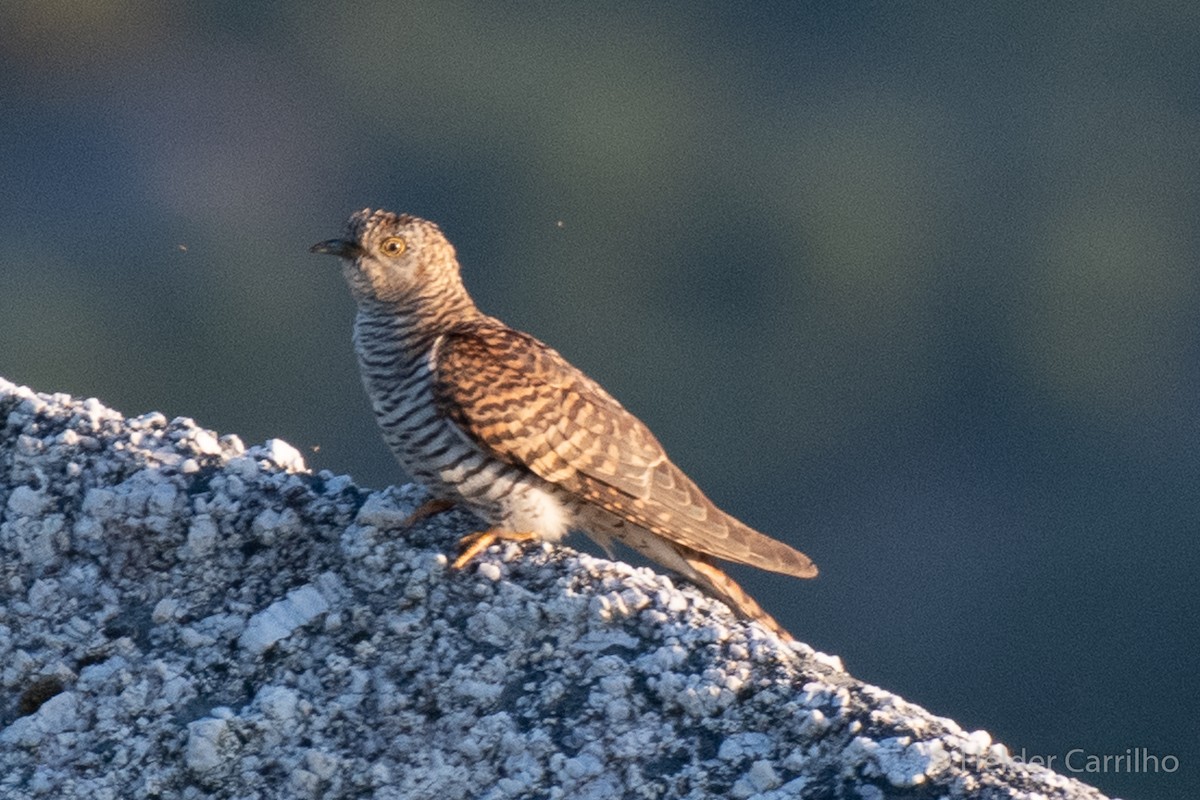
point(396, 259)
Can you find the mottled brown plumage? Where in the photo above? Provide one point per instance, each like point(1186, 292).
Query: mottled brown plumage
point(490, 417)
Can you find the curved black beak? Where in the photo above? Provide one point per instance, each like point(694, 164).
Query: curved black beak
point(336, 247)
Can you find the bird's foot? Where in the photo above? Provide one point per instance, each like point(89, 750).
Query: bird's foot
point(475, 543)
point(430, 507)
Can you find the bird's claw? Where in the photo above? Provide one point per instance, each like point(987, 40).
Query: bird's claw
point(429, 508)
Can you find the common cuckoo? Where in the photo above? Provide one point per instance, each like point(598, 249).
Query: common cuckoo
point(491, 418)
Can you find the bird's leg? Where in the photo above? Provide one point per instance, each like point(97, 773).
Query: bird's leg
point(434, 505)
point(475, 543)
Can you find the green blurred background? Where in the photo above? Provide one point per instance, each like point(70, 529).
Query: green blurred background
point(911, 286)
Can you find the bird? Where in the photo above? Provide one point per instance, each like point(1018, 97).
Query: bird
point(489, 418)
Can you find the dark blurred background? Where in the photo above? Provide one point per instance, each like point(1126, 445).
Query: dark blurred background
point(913, 287)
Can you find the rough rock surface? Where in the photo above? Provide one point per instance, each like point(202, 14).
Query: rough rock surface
point(183, 617)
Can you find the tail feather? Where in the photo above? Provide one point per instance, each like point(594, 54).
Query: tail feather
point(693, 565)
point(715, 582)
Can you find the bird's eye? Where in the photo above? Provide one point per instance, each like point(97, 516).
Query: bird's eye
point(393, 245)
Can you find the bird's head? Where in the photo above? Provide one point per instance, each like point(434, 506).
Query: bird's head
point(394, 259)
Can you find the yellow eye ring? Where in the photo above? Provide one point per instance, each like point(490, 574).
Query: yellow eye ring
point(393, 245)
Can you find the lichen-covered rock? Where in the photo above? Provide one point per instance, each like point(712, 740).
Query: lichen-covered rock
point(183, 617)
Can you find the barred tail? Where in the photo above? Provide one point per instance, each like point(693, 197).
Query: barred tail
point(713, 581)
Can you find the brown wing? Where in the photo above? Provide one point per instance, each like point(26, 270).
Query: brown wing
point(520, 399)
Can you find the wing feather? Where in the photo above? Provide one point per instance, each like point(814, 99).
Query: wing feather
point(524, 402)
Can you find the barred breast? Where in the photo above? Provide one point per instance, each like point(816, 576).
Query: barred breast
point(396, 364)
